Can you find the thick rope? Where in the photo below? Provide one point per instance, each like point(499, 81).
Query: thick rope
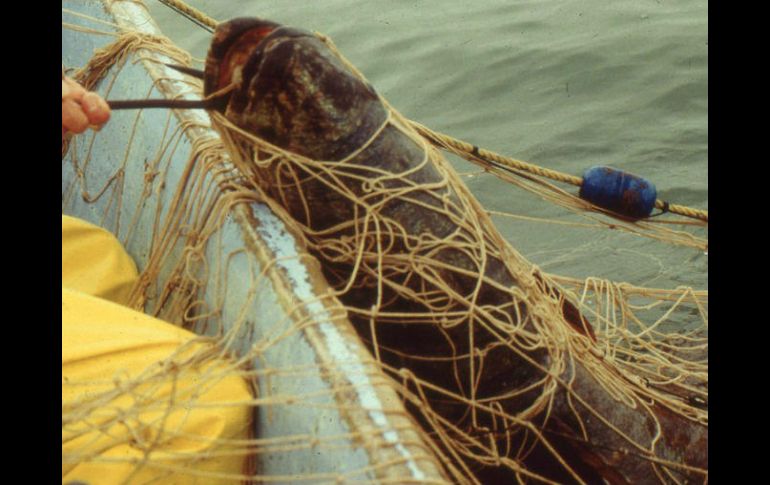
point(191, 13)
point(475, 154)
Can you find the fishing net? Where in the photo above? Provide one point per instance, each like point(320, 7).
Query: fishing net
point(502, 371)
point(175, 203)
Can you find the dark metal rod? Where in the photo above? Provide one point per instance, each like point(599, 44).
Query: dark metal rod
point(188, 70)
point(159, 103)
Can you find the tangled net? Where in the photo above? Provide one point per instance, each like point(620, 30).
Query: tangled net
point(510, 372)
point(491, 353)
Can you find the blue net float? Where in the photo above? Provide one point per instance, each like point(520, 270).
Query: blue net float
point(618, 191)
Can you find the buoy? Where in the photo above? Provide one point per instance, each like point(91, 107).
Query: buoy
point(619, 191)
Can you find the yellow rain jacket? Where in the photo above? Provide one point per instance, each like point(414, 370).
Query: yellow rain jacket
point(142, 401)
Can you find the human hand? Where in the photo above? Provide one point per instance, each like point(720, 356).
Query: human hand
point(81, 109)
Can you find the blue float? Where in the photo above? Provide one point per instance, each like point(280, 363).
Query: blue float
point(619, 191)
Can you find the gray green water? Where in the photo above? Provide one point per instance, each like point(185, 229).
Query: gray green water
point(565, 84)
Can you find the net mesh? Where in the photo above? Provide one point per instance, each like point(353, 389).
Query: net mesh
point(507, 371)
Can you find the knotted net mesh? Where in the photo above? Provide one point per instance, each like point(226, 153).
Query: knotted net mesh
point(508, 372)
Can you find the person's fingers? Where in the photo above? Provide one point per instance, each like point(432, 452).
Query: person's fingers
point(72, 116)
point(80, 108)
point(71, 90)
point(96, 109)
